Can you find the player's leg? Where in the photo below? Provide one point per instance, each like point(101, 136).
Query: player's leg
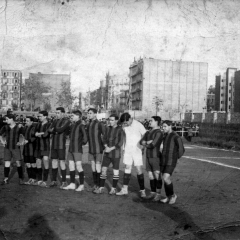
point(126, 180)
point(29, 170)
point(7, 164)
point(98, 159)
point(39, 169)
point(94, 172)
point(34, 171)
point(16, 156)
point(45, 171)
point(78, 161)
point(54, 157)
point(72, 185)
point(140, 178)
point(158, 184)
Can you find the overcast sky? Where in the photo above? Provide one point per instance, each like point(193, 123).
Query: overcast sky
point(88, 38)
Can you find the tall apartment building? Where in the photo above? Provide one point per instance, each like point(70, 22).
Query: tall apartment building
point(227, 90)
point(10, 91)
point(180, 85)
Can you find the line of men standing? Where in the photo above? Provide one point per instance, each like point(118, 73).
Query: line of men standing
point(105, 147)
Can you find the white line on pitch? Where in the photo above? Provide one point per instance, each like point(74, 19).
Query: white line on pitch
point(224, 157)
point(216, 163)
point(216, 148)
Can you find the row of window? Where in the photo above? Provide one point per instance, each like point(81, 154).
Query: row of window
point(9, 88)
point(10, 81)
point(4, 102)
point(11, 74)
point(9, 95)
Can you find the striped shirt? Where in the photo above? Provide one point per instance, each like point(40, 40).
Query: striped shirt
point(44, 140)
point(173, 149)
point(12, 135)
point(60, 131)
point(29, 135)
point(95, 131)
point(114, 137)
point(78, 137)
point(153, 149)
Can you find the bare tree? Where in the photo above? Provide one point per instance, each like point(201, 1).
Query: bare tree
point(157, 103)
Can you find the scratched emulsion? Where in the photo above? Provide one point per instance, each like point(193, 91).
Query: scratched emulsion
point(88, 38)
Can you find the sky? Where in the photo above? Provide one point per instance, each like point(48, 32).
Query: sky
point(88, 38)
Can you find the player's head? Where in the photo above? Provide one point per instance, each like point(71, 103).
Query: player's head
point(29, 120)
point(113, 120)
point(43, 116)
point(76, 115)
point(60, 112)
point(92, 113)
point(126, 119)
point(10, 118)
point(167, 126)
point(155, 121)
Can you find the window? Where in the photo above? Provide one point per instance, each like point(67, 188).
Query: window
point(229, 107)
point(16, 81)
point(230, 84)
point(221, 87)
point(229, 99)
point(229, 91)
point(221, 102)
point(222, 95)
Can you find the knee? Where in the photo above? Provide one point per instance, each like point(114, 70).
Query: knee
point(157, 174)
point(150, 175)
point(71, 165)
point(18, 163)
point(139, 170)
point(104, 171)
point(7, 163)
point(28, 165)
point(166, 179)
point(128, 169)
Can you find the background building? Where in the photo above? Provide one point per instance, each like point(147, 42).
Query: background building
point(227, 90)
point(178, 85)
point(210, 102)
point(10, 91)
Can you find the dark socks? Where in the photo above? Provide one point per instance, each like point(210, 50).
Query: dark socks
point(159, 183)
point(63, 172)
point(126, 178)
point(34, 172)
point(102, 180)
point(20, 172)
point(54, 174)
point(6, 172)
point(168, 189)
point(115, 180)
point(81, 177)
point(98, 179)
point(45, 174)
point(141, 181)
point(29, 172)
point(39, 174)
point(72, 176)
point(152, 185)
point(94, 178)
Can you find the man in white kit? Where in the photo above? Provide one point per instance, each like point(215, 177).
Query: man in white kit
point(134, 131)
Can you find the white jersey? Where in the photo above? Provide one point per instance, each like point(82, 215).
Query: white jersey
point(134, 133)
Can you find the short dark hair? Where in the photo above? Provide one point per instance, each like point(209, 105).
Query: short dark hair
point(77, 112)
point(114, 115)
point(94, 110)
point(168, 122)
point(157, 119)
point(44, 113)
point(61, 109)
point(31, 118)
point(125, 117)
point(11, 116)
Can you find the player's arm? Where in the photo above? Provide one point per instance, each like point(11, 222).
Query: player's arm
point(158, 138)
point(2, 134)
point(85, 138)
point(63, 128)
point(179, 143)
point(143, 141)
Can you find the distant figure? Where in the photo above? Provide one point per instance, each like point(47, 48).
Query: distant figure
point(190, 133)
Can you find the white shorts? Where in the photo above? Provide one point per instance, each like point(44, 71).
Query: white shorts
point(133, 157)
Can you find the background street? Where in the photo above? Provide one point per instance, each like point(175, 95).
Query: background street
point(205, 180)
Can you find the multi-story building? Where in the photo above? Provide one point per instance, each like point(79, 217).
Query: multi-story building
point(178, 85)
point(54, 81)
point(226, 89)
point(210, 102)
point(10, 88)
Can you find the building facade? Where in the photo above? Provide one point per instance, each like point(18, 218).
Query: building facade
point(179, 85)
point(10, 91)
point(210, 102)
point(227, 89)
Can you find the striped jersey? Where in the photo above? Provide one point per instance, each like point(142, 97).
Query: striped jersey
point(12, 135)
point(29, 135)
point(60, 131)
point(173, 149)
point(44, 140)
point(114, 137)
point(95, 132)
point(153, 149)
point(78, 137)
